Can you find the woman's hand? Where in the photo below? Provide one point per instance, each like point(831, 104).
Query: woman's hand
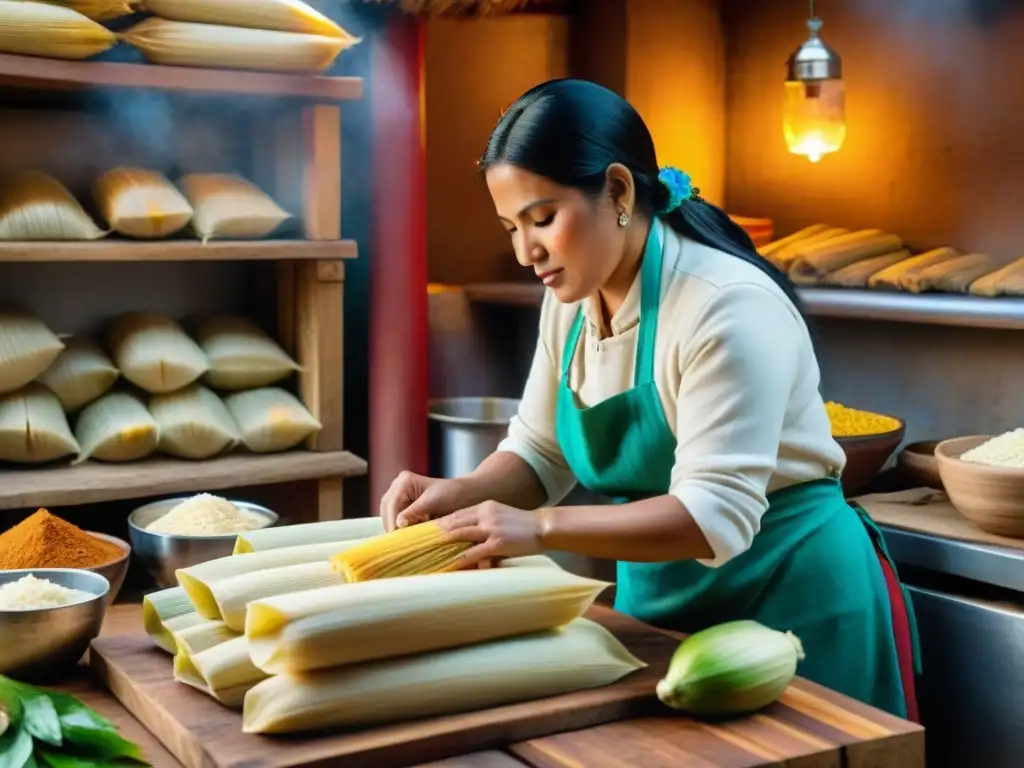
point(413, 499)
point(496, 530)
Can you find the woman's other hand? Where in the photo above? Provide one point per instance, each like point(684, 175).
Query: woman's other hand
point(413, 499)
point(496, 530)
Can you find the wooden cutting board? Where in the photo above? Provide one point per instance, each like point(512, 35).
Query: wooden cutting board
point(203, 734)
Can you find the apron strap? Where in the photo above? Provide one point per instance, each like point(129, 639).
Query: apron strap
point(650, 300)
point(571, 341)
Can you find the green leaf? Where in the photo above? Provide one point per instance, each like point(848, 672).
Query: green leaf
point(15, 748)
point(10, 701)
point(39, 716)
point(69, 706)
point(56, 760)
point(80, 730)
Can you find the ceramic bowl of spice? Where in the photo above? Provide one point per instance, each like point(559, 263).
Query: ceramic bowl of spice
point(48, 617)
point(868, 439)
point(177, 533)
point(44, 540)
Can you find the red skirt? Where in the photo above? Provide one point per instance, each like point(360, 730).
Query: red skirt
point(901, 629)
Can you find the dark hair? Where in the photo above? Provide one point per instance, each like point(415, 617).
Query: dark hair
point(570, 131)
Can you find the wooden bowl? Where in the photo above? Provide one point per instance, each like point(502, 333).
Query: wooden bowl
point(990, 497)
point(918, 466)
point(866, 455)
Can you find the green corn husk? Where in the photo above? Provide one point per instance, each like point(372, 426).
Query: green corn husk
point(730, 669)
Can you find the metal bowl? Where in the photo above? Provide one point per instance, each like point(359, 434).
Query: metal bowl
point(116, 570)
point(161, 554)
point(38, 644)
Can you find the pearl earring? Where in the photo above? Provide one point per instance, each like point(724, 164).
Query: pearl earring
point(623, 219)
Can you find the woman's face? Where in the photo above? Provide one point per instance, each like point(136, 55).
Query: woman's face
point(571, 240)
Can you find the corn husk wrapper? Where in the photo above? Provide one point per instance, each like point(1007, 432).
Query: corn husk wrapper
point(27, 348)
point(270, 419)
point(98, 10)
point(81, 373)
point(956, 275)
point(1008, 281)
point(116, 428)
point(184, 44)
point(223, 671)
point(856, 275)
point(34, 206)
point(280, 536)
point(194, 423)
point(154, 353)
point(769, 249)
point(241, 355)
point(33, 427)
point(167, 607)
point(234, 593)
point(50, 31)
point(228, 206)
point(277, 15)
point(902, 276)
point(140, 203)
point(784, 257)
point(575, 657)
point(196, 638)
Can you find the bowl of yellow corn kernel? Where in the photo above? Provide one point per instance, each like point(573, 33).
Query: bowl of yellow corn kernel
point(867, 438)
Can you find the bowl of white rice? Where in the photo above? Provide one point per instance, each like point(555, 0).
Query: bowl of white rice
point(984, 478)
point(177, 533)
point(48, 617)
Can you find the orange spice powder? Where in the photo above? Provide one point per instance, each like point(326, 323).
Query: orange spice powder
point(45, 541)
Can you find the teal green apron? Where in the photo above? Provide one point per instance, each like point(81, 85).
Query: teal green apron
point(812, 568)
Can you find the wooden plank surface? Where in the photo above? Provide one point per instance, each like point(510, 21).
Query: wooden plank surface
point(94, 482)
point(36, 72)
point(203, 734)
point(177, 250)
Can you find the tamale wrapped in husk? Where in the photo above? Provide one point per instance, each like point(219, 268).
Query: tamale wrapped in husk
point(812, 262)
point(222, 670)
point(901, 276)
point(154, 353)
point(33, 427)
point(98, 10)
point(1008, 281)
point(777, 245)
point(140, 203)
point(459, 7)
point(955, 275)
point(50, 31)
point(116, 428)
point(229, 206)
point(184, 44)
point(80, 374)
point(278, 15)
point(270, 419)
point(241, 355)
point(34, 206)
point(27, 348)
point(783, 257)
point(194, 423)
point(856, 275)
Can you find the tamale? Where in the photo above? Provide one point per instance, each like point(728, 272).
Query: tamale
point(80, 374)
point(194, 423)
point(53, 32)
point(34, 206)
point(1008, 281)
point(307, 533)
point(783, 257)
point(278, 15)
point(352, 623)
point(578, 656)
point(271, 420)
point(154, 353)
point(140, 203)
point(183, 44)
point(234, 593)
point(33, 427)
point(161, 607)
point(196, 638)
point(27, 348)
point(414, 551)
point(812, 262)
point(241, 355)
point(856, 275)
point(228, 206)
point(116, 428)
point(955, 275)
point(900, 276)
point(776, 245)
point(223, 671)
point(98, 10)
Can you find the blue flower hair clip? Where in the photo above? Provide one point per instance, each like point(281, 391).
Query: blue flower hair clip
point(679, 188)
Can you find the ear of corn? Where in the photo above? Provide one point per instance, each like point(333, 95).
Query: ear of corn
point(140, 203)
point(413, 551)
point(279, 15)
point(98, 10)
point(856, 275)
point(578, 656)
point(234, 594)
point(116, 428)
point(307, 533)
point(160, 607)
point(193, 423)
point(154, 353)
point(353, 623)
point(783, 257)
point(50, 31)
point(1008, 281)
point(270, 419)
point(241, 355)
point(782, 242)
point(185, 44)
point(33, 427)
point(956, 275)
point(814, 261)
point(900, 276)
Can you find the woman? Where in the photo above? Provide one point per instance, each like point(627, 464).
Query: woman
point(675, 373)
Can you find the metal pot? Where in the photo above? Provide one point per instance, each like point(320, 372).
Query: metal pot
point(465, 431)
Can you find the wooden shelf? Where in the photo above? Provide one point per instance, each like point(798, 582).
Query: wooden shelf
point(34, 72)
point(89, 483)
point(179, 250)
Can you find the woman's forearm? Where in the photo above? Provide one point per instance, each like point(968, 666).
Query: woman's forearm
point(505, 478)
point(653, 530)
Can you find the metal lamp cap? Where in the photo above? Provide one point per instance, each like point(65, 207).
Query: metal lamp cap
point(814, 60)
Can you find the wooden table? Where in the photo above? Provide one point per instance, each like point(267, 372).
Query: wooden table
point(810, 727)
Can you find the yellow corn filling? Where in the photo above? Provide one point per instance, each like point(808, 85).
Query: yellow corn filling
point(850, 422)
point(414, 551)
